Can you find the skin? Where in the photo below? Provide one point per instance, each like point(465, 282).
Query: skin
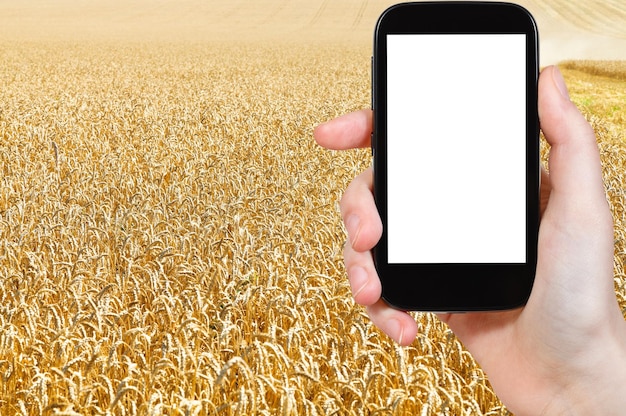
point(564, 353)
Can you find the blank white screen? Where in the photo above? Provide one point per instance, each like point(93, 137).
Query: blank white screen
point(456, 143)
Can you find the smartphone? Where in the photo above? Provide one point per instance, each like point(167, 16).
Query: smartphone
point(455, 145)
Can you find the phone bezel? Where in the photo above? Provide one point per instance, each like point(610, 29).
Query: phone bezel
point(456, 287)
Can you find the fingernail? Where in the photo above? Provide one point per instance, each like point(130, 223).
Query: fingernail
point(353, 225)
point(395, 330)
point(358, 280)
point(560, 82)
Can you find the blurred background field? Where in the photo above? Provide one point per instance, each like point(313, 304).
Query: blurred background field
point(170, 241)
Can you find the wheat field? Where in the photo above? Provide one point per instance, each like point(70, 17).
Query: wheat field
point(170, 241)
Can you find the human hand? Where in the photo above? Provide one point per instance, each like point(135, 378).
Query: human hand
point(565, 351)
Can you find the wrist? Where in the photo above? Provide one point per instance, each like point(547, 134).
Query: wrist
point(598, 387)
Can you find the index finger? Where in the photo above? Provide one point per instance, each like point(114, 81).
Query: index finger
point(349, 131)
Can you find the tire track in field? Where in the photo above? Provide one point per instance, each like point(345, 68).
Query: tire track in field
point(319, 13)
point(235, 8)
point(606, 17)
point(614, 14)
point(271, 16)
point(359, 14)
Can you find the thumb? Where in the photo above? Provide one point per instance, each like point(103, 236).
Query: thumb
point(574, 163)
point(575, 262)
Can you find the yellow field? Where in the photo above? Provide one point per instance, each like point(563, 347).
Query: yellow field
point(170, 241)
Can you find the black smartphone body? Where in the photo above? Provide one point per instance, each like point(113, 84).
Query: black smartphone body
point(455, 147)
